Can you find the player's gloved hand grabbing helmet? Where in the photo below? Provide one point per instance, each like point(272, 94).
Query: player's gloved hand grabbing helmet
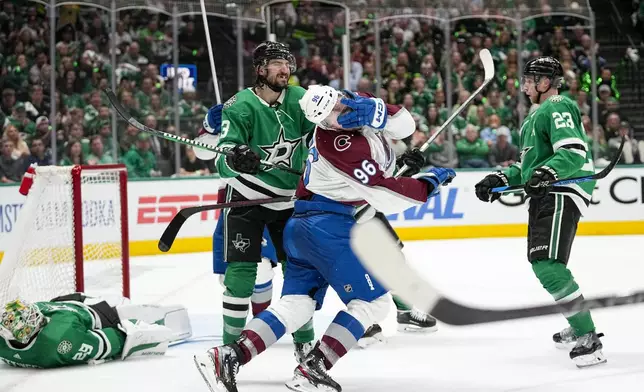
point(537, 186)
point(212, 121)
point(371, 112)
point(435, 177)
point(483, 187)
point(243, 160)
point(414, 159)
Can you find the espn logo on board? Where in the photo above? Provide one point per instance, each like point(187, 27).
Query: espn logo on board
point(161, 209)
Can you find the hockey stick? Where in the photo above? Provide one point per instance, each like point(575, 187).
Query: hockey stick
point(170, 233)
point(488, 67)
point(382, 256)
point(567, 181)
point(121, 111)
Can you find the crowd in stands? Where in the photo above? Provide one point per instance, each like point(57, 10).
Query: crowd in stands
point(413, 63)
point(82, 67)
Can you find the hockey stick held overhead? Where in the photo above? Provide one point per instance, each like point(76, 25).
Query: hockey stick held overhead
point(123, 113)
point(567, 181)
point(488, 67)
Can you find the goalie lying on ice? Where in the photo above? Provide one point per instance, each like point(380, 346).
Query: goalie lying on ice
point(76, 329)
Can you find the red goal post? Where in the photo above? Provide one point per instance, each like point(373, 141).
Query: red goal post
point(71, 235)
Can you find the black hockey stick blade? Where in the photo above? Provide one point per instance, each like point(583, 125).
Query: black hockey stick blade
point(453, 313)
point(124, 114)
point(381, 255)
point(170, 233)
point(597, 176)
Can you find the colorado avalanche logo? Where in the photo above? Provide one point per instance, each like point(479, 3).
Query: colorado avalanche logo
point(341, 142)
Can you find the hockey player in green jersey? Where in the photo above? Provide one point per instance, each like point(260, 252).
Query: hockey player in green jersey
point(75, 329)
point(553, 148)
point(263, 122)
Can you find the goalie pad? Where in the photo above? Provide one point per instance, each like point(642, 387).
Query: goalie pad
point(174, 317)
point(143, 339)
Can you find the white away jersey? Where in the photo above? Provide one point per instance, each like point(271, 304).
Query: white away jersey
point(355, 167)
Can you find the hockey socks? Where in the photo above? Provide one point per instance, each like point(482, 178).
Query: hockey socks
point(342, 334)
point(400, 305)
point(262, 296)
point(262, 332)
point(557, 279)
point(305, 334)
point(240, 282)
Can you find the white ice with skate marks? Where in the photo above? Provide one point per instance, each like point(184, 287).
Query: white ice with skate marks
point(508, 356)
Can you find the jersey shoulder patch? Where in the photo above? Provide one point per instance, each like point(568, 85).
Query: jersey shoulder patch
point(230, 101)
point(556, 98)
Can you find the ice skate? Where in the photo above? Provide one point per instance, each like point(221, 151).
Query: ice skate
point(311, 375)
point(373, 335)
point(415, 321)
point(219, 367)
point(302, 350)
point(588, 350)
point(566, 339)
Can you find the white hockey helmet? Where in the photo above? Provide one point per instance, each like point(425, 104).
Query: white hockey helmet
point(318, 102)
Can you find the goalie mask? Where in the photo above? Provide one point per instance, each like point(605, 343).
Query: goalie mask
point(321, 106)
point(20, 322)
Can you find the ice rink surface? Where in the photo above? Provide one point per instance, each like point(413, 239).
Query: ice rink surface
point(507, 356)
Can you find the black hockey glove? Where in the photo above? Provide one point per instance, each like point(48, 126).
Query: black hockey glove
point(536, 186)
point(414, 159)
point(490, 181)
point(243, 160)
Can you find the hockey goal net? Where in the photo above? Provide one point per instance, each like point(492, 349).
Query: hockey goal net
point(71, 235)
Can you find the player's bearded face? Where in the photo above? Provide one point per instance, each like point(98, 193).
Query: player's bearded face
point(278, 73)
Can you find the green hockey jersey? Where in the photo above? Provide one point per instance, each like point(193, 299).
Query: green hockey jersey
point(276, 132)
point(553, 136)
point(72, 336)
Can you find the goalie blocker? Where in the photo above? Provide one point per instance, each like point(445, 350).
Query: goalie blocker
point(75, 329)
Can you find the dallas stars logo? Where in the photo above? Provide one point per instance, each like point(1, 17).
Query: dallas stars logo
point(281, 150)
point(524, 152)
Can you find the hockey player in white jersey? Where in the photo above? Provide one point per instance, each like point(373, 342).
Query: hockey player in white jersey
point(345, 168)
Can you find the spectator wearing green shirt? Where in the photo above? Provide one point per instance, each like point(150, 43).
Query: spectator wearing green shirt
point(144, 95)
point(93, 127)
point(472, 150)
point(421, 94)
point(140, 160)
point(128, 139)
point(73, 154)
point(97, 155)
point(91, 110)
point(189, 106)
point(495, 105)
point(77, 132)
point(441, 153)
